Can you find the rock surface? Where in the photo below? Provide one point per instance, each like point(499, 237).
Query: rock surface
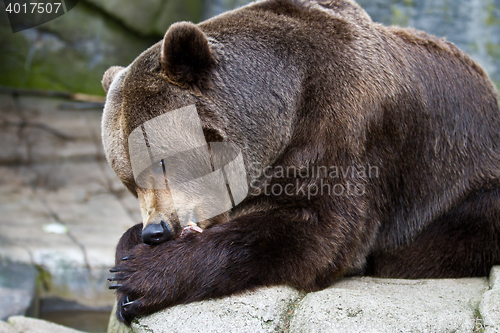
point(17, 288)
point(360, 304)
point(264, 310)
point(69, 53)
point(61, 207)
point(31, 325)
point(155, 16)
point(389, 305)
point(6, 328)
point(474, 26)
point(490, 304)
point(72, 52)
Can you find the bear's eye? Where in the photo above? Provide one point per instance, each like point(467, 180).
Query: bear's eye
point(157, 167)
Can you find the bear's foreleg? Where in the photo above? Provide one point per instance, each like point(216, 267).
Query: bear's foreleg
point(131, 238)
point(290, 246)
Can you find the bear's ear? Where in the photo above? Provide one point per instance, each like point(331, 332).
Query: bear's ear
point(186, 57)
point(108, 77)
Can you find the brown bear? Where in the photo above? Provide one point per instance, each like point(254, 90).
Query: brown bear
point(369, 150)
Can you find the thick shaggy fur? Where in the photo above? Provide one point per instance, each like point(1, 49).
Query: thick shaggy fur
point(304, 84)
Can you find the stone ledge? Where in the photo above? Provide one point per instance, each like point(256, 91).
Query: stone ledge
point(390, 305)
point(359, 304)
point(490, 304)
point(19, 324)
point(263, 310)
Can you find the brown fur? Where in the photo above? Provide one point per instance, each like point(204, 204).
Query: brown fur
point(306, 84)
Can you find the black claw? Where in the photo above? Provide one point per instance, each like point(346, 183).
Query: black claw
point(121, 315)
point(114, 270)
point(111, 279)
point(115, 286)
point(127, 258)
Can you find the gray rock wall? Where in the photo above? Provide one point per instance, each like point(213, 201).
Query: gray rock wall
point(62, 209)
point(17, 289)
point(473, 25)
point(151, 17)
point(72, 52)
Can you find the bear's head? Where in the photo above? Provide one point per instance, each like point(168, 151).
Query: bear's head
point(242, 83)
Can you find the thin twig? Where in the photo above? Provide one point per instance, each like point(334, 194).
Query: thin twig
point(51, 93)
point(23, 124)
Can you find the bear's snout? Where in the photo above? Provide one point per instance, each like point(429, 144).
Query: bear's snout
point(156, 233)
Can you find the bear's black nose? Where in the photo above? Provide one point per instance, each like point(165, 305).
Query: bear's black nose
point(156, 233)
